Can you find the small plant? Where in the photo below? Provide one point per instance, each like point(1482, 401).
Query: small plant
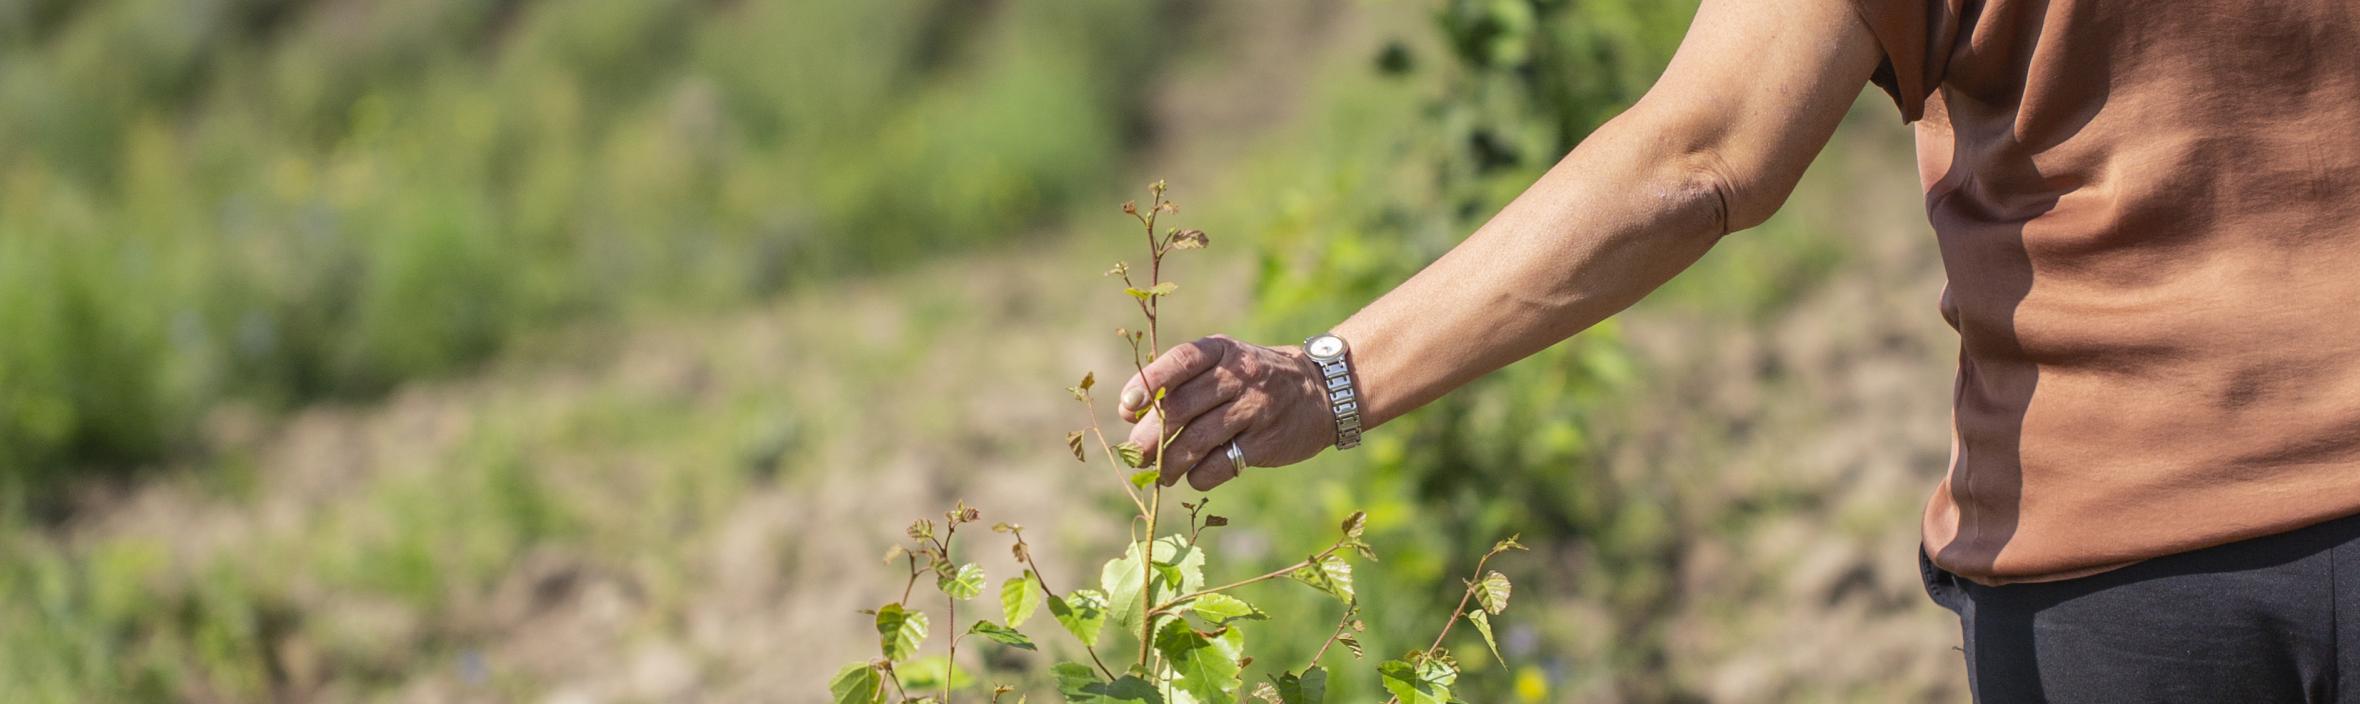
point(1190, 638)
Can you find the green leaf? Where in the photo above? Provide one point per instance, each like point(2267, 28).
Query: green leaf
point(1132, 455)
point(927, 674)
point(1144, 478)
point(858, 684)
point(1081, 685)
point(1220, 609)
point(900, 631)
point(1492, 592)
point(1355, 524)
point(1332, 575)
point(963, 584)
point(1165, 288)
point(1082, 612)
point(1426, 681)
point(1203, 668)
point(1019, 596)
point(1310, 688)
point(1002, 635)
point(1482, 623)
point(1180, 566)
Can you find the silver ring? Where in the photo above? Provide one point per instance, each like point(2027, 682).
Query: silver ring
point(1237, 457)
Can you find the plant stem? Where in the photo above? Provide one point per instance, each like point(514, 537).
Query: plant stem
point(1274, 574)
point(1044, 582)
point(1458, 612)
point(913, 583)
point(1147, 564)
point(1123, 473)
point(1463, 598)
point(901, 694)
point(1350, 610)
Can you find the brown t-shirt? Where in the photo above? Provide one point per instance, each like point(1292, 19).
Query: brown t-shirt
point(2150, 217)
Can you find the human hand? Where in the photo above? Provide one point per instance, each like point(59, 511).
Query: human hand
point(1269, 400)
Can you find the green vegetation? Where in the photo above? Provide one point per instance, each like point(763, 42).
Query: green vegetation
point(648, 284)
point(278, 201)
point(1190, 634)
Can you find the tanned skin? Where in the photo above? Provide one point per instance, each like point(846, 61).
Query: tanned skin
point(1754, 92)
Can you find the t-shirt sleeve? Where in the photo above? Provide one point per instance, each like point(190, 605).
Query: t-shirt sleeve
point(1916, 37)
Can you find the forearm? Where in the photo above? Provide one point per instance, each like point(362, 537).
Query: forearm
point(1615, 219)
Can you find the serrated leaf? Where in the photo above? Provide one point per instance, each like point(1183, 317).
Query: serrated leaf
point(1002, 635)
point(927, 674)
point(1190, 239)
point(1143, 478)
point(1268, 693)
point(1081, 685)
point(1180, 568)
point(1082, 612)
point(1355, 524)
point(900, 631)
point(962, 584)
point(1137, 293)
point(1493, 591)
point(1073, 441)
point(1019, 596)
point(1332, 575)
point(1426, 681)
point(1200, 666)
point(1352, 643)
point(1131, 454)
point(1309, 688)
point(1165, 288)
point(1482, 623)
point(858, 684)
point(1220, 609)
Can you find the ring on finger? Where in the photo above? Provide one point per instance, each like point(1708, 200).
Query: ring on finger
point(1237, 456)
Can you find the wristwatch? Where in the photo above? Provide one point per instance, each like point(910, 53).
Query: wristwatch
point(1330, 353)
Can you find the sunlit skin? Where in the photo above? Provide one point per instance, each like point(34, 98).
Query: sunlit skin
point(1754, 92)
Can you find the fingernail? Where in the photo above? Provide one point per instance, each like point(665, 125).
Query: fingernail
point(1134, 397)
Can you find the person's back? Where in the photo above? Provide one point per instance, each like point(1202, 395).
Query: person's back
point(2150, 218)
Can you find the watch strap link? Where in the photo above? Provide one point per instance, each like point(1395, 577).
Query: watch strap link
point(1342, 399)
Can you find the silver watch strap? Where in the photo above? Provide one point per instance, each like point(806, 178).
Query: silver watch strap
point(1342, 398)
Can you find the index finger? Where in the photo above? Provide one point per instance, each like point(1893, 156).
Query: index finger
point(1174, 367)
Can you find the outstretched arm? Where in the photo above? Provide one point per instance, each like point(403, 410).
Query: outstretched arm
point(1755, 90)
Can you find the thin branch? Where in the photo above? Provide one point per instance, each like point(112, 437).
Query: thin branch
point(1273, 574)
point(1044, 582)
point(1350, 610)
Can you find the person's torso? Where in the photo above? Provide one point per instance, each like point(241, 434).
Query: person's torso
point(2150, 216)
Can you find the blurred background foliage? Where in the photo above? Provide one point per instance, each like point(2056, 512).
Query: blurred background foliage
point(509, 349)
point(291, 200)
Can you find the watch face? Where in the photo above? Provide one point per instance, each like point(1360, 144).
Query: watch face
point(1325, 346)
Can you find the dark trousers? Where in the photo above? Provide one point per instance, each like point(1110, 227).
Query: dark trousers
point(2273, 619)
